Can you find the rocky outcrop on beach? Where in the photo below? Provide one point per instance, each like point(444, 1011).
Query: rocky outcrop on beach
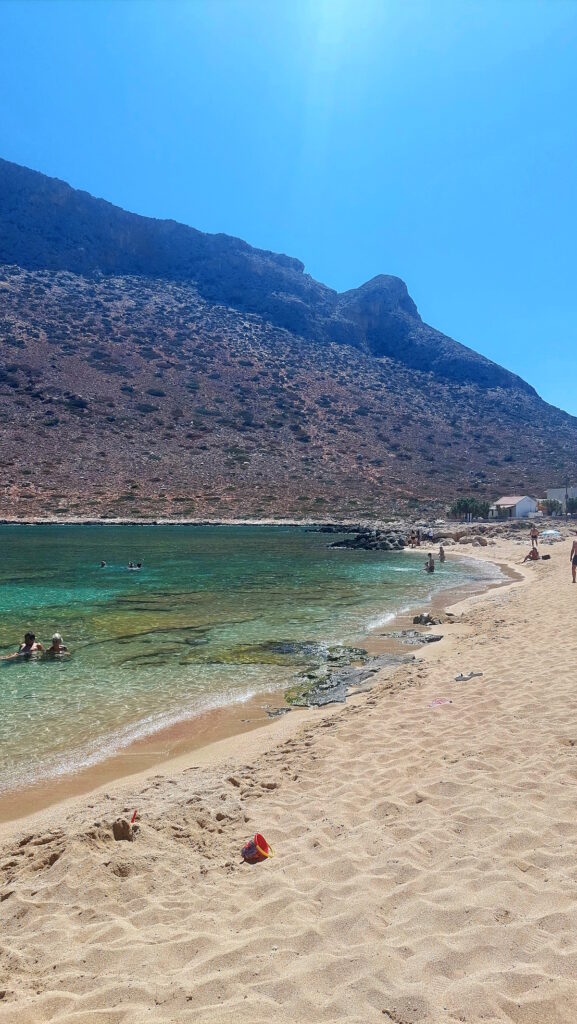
point(372, 540)
point(427, 619)
point(412, 637)
point(332, 683)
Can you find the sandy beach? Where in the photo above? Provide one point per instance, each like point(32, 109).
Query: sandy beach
point(425, 838)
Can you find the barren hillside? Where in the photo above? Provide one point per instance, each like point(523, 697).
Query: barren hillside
point(187, 390)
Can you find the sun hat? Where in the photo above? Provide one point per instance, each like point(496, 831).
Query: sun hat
point(56, 636)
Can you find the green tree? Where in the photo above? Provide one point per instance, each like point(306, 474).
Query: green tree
point(551, 506)
point(469, 507)
point(572, 505)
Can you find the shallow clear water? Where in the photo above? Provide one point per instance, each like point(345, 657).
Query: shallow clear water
point(190, 631)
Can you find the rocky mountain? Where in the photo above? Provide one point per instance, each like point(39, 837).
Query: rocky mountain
point(148, 368)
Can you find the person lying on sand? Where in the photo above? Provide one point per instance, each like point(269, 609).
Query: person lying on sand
point(57, 649)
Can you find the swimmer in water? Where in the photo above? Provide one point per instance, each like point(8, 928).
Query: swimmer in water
point(57, 649)
point(26, 650)
point(30, 646)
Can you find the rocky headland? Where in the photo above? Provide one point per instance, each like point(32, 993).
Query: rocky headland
point(161, 372)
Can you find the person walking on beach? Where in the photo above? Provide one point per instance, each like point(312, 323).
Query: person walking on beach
point(573, 559)
point(534, 534)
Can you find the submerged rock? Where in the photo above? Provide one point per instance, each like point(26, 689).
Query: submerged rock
point(346, 654)
point(331, 686)
point(413, 638)
point(273, 652)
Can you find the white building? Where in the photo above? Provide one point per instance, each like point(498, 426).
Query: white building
point(559, 493)
point(513, 506)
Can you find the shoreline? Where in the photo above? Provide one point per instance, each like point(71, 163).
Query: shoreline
point(160, 521)
point(191, 736)
point(425, 842)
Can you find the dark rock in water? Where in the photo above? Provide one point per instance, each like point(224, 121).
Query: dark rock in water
point(275, 652)
point(347, 654)
point(316, 689)
point(412, 637)
point(307, 648)
point(373, 540)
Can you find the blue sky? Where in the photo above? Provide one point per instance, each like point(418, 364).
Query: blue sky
point(432, 140)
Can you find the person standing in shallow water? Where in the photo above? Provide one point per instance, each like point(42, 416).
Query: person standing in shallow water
point(430, 563)
point(441, 554)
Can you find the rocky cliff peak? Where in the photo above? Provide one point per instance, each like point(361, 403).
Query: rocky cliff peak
point(47, 225)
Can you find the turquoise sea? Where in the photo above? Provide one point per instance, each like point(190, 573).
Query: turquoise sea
point(216, 615)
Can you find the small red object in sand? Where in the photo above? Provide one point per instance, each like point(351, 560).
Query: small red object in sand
point(133, 818)
point(256, 849)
